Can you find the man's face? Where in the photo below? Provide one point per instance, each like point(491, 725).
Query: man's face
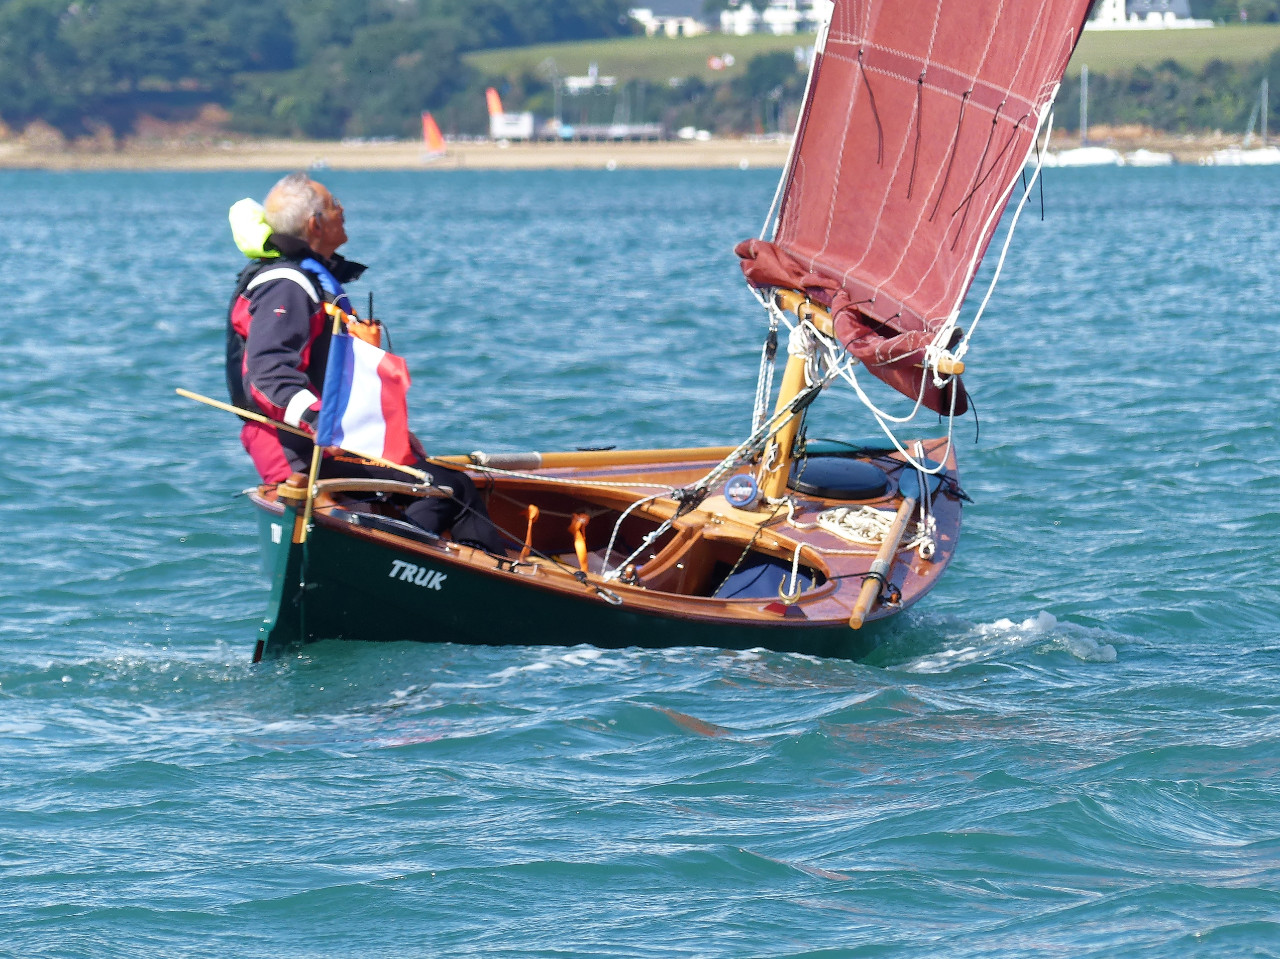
point(327, 231)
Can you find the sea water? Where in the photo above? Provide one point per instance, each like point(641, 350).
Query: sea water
point(1070, 748)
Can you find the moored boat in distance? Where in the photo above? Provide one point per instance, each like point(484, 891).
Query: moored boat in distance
point(1245, 154)
point(1143, 157)
point(890, 197)
point(1087, 156)
point(1242, 156)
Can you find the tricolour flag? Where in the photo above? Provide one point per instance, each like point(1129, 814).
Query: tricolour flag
point(365, 406)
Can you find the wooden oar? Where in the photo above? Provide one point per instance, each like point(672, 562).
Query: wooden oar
point(878, 574)
point(259, 418)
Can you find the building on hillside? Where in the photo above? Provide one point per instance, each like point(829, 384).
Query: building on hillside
point(577, 85)
point(1144, 15)
point(671, 18)
point(780, 17)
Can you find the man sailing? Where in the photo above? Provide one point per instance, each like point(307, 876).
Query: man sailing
point(279, 329)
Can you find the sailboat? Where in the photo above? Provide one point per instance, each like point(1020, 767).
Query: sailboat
point(1086, 154)
point(1245, 154)
point(918, 117)
point(433, 147)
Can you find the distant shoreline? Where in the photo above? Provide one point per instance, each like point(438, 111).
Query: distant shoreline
point(480, 155)
point(487, 155)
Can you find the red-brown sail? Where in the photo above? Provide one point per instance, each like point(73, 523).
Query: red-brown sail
point(919, 117)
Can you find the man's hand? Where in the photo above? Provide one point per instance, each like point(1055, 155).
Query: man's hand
point(307, 420)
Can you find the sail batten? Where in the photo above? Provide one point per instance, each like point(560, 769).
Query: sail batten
point(918, 117)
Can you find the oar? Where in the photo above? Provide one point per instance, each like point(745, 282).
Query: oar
point(259, 418)
point(878, 575)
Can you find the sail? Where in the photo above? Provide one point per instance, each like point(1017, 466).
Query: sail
point(918, 119)
point(432, 141)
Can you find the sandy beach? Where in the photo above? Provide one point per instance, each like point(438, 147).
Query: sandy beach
point(24, 153)
point(291, 155)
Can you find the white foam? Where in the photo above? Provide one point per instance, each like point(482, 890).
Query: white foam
point(987, 641)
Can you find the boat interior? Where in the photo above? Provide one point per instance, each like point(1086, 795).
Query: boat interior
point(583, 529)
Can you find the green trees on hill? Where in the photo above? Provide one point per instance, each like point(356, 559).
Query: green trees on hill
point(290, 67)
point(1231, 11)
point(1172, 98)
point(334, 68)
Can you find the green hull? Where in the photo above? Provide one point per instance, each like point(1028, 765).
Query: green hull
point(343, 586)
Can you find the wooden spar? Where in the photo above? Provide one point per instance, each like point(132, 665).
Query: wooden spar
point(775, 466)
point(796, 302)
point(316, 453)
point(880, 567)
point(247, 414)
point(585, 459)
point(259, 418)
point(574, 459)
point(820, 318)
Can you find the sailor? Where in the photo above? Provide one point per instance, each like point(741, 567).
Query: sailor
point(278, 332)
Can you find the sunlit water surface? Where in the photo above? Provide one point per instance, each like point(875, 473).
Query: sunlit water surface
point(1070, 748)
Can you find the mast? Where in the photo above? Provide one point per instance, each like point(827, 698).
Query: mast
point(1084, 105)
point(1265, 97)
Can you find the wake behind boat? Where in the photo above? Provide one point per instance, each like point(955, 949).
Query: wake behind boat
point(918, 119)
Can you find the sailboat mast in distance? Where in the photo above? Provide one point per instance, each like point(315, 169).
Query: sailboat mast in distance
point(917, 122)
point(1084, 105)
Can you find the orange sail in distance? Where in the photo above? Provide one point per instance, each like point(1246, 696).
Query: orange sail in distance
point(493, 101)
point(432, 141)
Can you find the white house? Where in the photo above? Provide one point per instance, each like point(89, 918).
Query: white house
point(1144, 15)
point(780, 17)
point(671, 18)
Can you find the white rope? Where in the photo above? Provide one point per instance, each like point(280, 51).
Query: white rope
point(648, 540)
point(844, 368)
point(926, 526)
point(1046, 124)
point(861, 524)
point(754, 441)
point(865, 525)
point(764, 379)
point(793, 589)
point(603, 484)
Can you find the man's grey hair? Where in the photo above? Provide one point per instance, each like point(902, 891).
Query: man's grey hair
point(291, 203)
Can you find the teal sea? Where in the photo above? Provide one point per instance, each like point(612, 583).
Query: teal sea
point(1071, 748)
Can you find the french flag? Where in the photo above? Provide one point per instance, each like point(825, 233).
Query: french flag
point(365, 406)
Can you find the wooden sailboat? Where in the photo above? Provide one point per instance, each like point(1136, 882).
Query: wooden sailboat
point(918, 117)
